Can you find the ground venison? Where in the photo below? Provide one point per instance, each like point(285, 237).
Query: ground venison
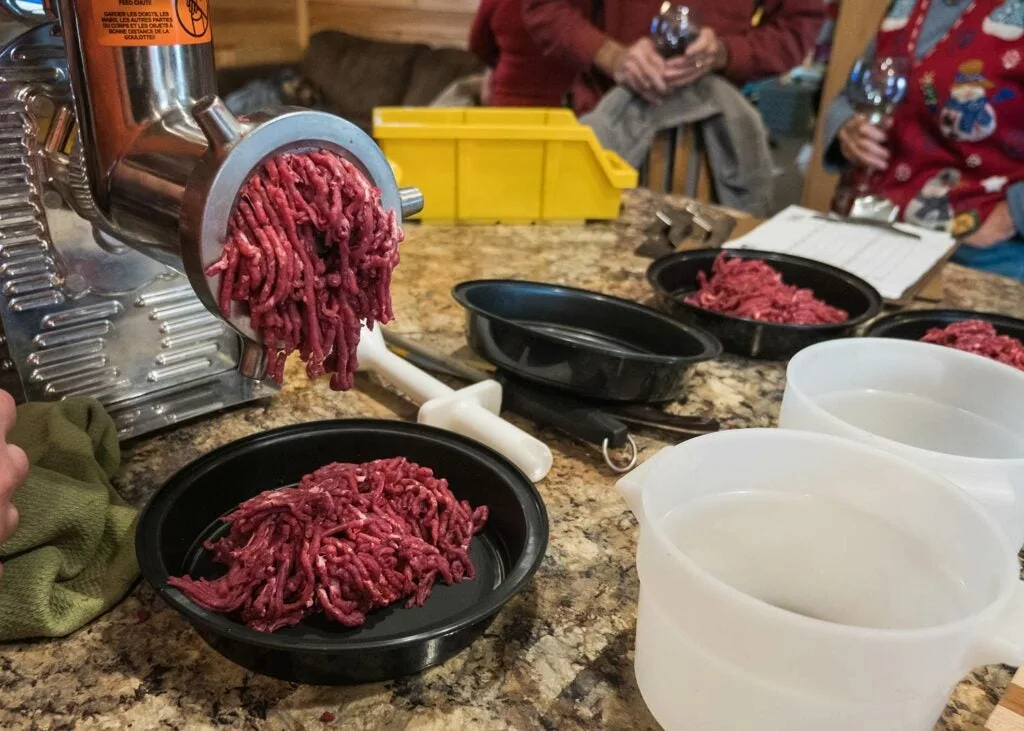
point(348, 539)
point(310, 250)
point(752, 289)
point(980, 337)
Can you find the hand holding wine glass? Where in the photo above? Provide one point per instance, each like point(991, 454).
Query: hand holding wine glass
point(877, 85)
point(642, 69)
point(691, 51)
point(875, 88)
point(864, 144)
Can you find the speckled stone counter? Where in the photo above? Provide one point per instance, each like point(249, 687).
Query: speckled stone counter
point(558, 657)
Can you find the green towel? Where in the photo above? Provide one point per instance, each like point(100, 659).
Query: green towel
point(72, 556)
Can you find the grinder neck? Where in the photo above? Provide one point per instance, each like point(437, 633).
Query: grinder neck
point(138, 141)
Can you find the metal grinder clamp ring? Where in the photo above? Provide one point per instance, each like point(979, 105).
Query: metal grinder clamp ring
point(237, 148)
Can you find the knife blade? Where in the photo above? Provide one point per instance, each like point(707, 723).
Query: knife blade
point(431, 360)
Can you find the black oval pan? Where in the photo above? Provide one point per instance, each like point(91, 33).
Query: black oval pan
point(396, 640)
point(674, 276)
point(587, 343)
point(913, 324)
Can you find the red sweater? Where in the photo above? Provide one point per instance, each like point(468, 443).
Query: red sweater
point(780, 42)
point(521, 75)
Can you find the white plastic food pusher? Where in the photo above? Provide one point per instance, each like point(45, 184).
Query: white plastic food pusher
point(473, 411)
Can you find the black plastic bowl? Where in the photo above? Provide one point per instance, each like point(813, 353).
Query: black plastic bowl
point(396, 640)
point(913, 324)
point(587, 343)
point(673, 277)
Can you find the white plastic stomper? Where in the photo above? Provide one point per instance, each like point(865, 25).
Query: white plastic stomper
point(473, 411)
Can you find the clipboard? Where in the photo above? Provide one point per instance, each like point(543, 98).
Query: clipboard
point(900, 262)
point(930, 287)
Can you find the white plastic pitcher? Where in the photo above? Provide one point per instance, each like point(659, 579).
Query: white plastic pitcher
point(956, 414)
point(792, 581)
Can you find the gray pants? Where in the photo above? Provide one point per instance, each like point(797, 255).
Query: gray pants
point(730, 128)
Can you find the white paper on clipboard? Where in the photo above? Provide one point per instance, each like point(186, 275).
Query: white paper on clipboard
point(890, 263)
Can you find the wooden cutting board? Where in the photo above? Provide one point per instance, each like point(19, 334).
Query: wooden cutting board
point(1009, 714)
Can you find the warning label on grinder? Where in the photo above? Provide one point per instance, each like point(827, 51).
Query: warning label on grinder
point(152, 22)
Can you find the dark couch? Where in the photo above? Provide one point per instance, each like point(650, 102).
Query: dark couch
point(349, 76)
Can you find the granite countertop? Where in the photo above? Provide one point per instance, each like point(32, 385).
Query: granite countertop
point(558, 656)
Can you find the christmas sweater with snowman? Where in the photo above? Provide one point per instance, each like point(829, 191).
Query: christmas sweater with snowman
point(958, 140)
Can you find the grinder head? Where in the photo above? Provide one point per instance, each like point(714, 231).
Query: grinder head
point(237, 149)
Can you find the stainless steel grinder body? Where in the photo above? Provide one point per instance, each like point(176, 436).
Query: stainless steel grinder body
point(109, 298)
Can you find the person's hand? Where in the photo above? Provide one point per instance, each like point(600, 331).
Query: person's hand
point(706, 54)
point(642, 69)
point(863, 144)
point(995, 229)
point(13, 469)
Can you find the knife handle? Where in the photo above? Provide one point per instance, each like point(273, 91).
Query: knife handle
point(650, 417)
point(563, 413)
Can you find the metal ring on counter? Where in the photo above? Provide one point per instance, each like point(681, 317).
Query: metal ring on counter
point(634, 453)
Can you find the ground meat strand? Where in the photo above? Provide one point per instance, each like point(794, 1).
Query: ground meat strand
point(979, 337)
point(348, 539)
point(310, 250)
point(751, 288)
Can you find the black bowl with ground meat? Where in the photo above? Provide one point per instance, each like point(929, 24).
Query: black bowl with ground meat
point(394, 641)
point(673, 277)
point(913, 324)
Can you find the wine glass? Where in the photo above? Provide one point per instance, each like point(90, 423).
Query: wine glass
point(876, 86)
point(672, 29)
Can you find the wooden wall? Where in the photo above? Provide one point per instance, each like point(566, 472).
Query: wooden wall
point(249, 32)
point(269, 31)
point(437, 22)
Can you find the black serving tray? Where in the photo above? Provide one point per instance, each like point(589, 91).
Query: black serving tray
point(395, 640)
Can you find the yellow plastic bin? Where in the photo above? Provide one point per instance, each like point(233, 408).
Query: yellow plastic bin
point(503, 165)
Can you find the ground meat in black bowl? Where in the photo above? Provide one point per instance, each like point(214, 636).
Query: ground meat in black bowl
point(762, 295)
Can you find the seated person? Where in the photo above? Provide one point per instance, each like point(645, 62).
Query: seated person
point(952, 157)
point(607, 42)
point(518, 74)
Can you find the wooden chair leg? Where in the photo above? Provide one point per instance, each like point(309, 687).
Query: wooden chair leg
point(693, 165)
point(706, 181)
point(668, 172)
point(699, 181)
point(677, 158)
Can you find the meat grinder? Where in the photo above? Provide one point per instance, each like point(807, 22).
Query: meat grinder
point(119, 167)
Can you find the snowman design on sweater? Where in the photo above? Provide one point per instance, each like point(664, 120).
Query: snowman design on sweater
point(968, 115)
point(1006, 22)
point(931, 208)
